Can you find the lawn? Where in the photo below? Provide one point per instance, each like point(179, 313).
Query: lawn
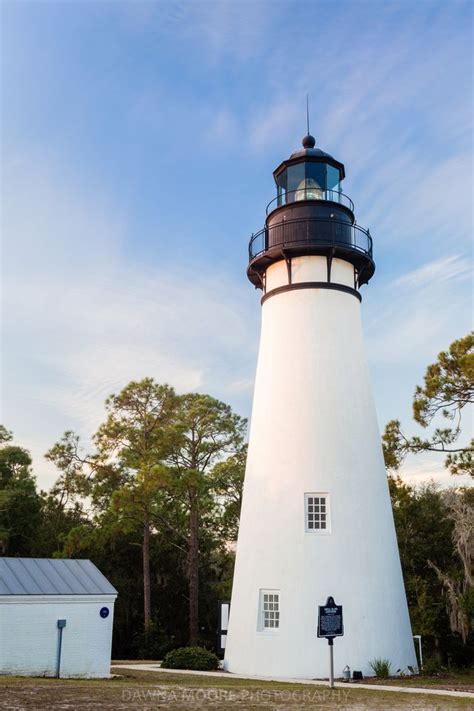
point(455, 681)
point(147, 691)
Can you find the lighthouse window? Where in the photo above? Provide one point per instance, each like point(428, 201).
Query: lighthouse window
point(333, 179)
point(316, 175)
point(296, 182)
point(269, 609)
point(317, 513)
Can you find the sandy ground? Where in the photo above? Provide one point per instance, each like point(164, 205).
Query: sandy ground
point(143, 691)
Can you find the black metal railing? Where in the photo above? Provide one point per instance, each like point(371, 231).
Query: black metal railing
point(311, 231)
point(310, 193)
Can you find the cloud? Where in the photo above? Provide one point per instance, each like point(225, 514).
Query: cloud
point(214, 30)
point(223, 127)
point(449, 268)
point(85, 318)
point(272, 122)
point(420, 312)
point(417, 471)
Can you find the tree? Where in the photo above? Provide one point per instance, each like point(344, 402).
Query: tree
point(448, 388)
point(125, 473)
point(206, 432)
point(166, 473)
point(424, 533)
point(229, 482)
point(459, 584)
point(20, 504)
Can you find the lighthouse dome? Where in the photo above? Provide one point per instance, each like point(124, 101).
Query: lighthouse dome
point(309, 149)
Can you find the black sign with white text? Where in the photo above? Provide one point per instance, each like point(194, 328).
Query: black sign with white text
point(330, 619)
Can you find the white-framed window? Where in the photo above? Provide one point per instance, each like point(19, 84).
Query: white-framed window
point(269, 610)
point(317, 513)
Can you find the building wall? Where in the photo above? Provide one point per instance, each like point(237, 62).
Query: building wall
point(29, 635)
point(314, 430)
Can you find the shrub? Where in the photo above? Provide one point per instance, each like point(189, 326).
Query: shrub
point(410, 671)
point(433, 666)
point(196, 658)
point(381, 668)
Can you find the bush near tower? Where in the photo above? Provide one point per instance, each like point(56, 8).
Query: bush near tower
point(195, 658)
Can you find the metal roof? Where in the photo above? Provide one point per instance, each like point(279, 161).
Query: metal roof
point(52, 576)
point(308, 153)
point(316, 152)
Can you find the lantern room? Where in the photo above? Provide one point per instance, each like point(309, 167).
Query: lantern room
point(310, 215)
point(309, 174)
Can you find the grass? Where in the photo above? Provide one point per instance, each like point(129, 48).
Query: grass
point(140, 691)
point(461, 680)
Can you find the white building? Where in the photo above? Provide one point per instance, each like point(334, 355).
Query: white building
point(56, 618)
point(316, 515)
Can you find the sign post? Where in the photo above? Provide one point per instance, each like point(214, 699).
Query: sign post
point(61, 624)
point(330, 625)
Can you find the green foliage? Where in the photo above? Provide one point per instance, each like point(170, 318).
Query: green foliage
point(462, 462)
point(205, 433)
point(433, 530)
point(158, 478)
point(433, 665)
point(5, 435)
point(110, 530)
point(448, 387)
point(32, 523)
point(424, 533)
point(448, 383)
point(152, 643)
point(381, 667)
point(20, 504)
point(196, 658)
point(228, 482)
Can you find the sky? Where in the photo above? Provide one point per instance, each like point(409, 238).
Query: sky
point(138, 143)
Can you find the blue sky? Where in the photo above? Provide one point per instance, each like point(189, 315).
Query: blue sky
point(138, 144)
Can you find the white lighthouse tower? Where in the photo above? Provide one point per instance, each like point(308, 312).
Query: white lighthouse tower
point(316, 515)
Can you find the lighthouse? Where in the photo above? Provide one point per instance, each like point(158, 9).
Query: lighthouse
point(316, 515)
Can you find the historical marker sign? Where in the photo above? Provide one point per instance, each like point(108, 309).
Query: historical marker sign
point(330, 619)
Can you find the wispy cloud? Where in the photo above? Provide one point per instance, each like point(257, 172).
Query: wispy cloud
point(420, 470)
point(223, 127)
point(274, 121)
point(85, 319)
point(419, 312)
point(454, 267)
point(218, 29)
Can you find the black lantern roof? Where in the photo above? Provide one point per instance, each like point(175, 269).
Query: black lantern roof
point(311, 154)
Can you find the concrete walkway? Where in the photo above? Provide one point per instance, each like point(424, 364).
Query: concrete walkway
point(313, 682)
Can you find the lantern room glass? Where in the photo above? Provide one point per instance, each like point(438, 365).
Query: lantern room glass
point(308, 180)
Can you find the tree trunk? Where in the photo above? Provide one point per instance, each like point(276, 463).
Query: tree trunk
point(193, 571)
point(146, 576)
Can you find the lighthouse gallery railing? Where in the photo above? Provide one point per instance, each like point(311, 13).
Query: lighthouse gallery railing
point(310, 193)
point(312, 232)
